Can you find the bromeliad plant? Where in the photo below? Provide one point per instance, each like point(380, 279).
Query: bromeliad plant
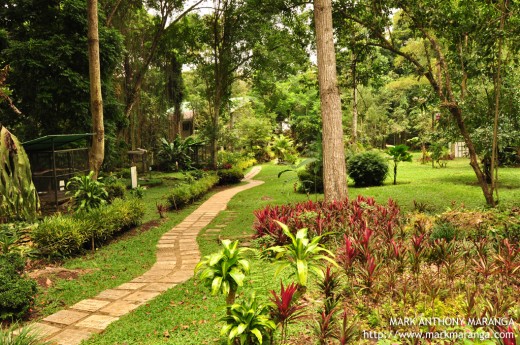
point(225, 270)
point(248, 323)
point(302, 254)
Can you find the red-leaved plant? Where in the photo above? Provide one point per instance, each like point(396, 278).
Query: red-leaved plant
point(285, 308)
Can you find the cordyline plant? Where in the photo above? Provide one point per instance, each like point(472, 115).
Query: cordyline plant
point(302, 255)
point(225, 270)
point(285, 307)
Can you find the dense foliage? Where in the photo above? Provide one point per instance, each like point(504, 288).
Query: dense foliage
point(321, 218)
point(65, 235)
point(16, 291)
point(186, 193)
point(368, 169)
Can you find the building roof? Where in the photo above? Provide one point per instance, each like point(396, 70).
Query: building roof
point(55, 141)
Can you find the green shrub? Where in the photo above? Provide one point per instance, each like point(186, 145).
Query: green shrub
point(245, 163)
point(16, 291)
point(230, 176)
point(15, 239)
point(310, 182)
point(66, 235)
point(103, 223)
point(115, 190)
point(59, 235)
point(311, 178)
point(368, 169)
point(443, 230)
point(185, 193)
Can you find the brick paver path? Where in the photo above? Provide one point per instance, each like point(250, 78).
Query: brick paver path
point(177, 255)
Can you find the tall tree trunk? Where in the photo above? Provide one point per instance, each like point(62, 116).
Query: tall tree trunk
point(97, 150)
point(334, 169)
point(498, 84)
point(354, 105)
point(175, 93)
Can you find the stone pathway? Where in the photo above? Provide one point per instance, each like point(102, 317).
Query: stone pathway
point(177, 255)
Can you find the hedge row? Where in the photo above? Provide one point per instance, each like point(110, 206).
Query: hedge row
point(185, 193)
point(230, 176)
point(65, 235)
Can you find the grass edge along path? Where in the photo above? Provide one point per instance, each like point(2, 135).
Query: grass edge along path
point(177, 255)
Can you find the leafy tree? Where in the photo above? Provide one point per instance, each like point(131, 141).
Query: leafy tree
point(454, 56)
point(49, 67)
point(399, 154)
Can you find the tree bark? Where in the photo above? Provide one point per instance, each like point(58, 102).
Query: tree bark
point(334, 169)
point(354, 103)
point(97, 150)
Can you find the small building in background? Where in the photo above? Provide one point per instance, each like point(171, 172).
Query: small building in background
point(54, 160)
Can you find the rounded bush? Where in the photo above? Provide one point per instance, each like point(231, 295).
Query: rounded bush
point(368, 169)
point(16, 291)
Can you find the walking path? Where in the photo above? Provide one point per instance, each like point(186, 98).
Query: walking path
point(177, 255)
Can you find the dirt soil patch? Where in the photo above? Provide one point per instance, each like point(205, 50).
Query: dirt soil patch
point(45, 277)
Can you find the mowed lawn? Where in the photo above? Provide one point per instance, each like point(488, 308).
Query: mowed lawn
point(438, 188)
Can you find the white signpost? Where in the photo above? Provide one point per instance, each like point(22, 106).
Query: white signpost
point(133, 175)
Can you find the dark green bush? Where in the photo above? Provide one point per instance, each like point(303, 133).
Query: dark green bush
point(115, 190)
point(16, 291)
point(310, 182)
point(186, 193)
point(61, 235)
point(230, 176)
point(311, 178)
point(368, 169)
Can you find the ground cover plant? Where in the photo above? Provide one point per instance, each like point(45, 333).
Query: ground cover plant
point(188, 314)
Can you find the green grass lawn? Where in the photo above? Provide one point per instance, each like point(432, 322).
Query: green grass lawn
point(439, 187)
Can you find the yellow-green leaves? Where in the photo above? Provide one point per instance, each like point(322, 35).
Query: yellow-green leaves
point(225, 270)
point(302, 254)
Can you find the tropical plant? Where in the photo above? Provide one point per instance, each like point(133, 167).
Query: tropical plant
point(18, 197)
point(176, 155)
point(248, 323)
point(87, 193)
point(15, 238)
point(398, 154)
point(302, 255)
point(285, 308)
point(23, 336)
point(224, 270)
point(283, 149)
